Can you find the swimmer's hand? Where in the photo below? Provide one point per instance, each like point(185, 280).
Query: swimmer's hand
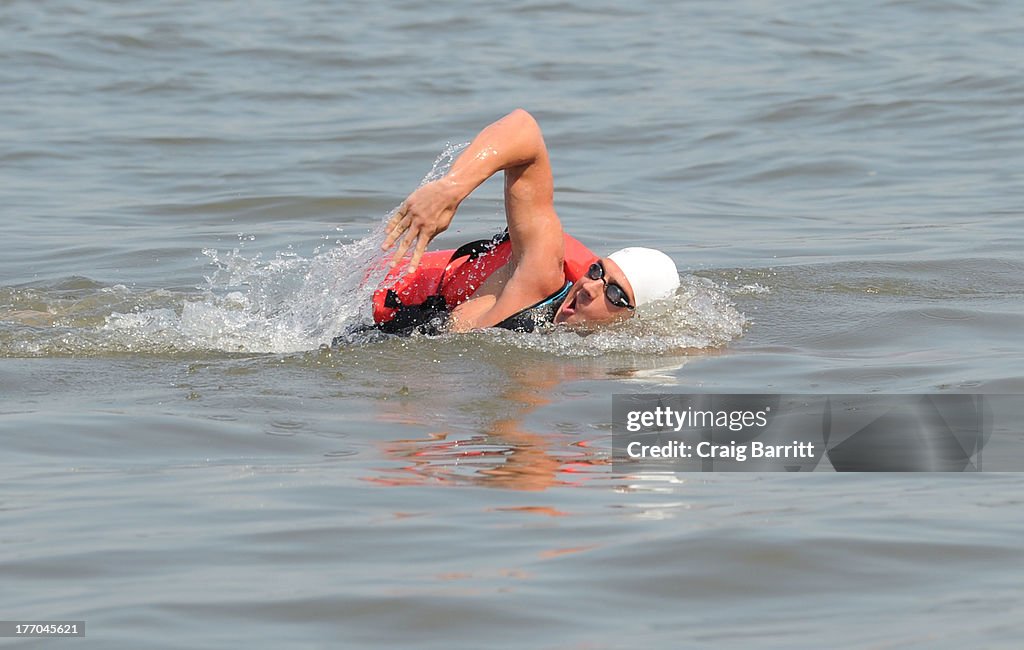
point(425, 214)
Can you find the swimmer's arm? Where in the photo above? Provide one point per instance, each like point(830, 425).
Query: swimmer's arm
point(513, 144)
point(502, 296)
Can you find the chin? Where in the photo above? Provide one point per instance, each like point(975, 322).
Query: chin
point(569, 321)
point(572, 319)
point(579, 324)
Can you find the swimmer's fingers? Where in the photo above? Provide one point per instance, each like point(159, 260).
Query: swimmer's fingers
point(421, 247)
point(397, 224)
point(410, 237)
point(418, 235)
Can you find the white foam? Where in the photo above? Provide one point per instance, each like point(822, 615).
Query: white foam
point(287, 304)
point(699, 315)
point(291, 304)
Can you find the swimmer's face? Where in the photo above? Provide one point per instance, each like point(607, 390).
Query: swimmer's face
point(588, 303)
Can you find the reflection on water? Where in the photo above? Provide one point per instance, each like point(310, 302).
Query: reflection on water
point(519, 461)
point(507, 454)
point(183, 468)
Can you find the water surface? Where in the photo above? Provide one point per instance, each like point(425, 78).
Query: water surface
point(191, 195)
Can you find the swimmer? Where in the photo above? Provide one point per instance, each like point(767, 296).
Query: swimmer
point(535, 283)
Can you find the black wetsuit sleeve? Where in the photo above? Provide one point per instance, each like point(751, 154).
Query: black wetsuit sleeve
point(539, 314)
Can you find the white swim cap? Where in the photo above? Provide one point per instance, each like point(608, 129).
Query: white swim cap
point(651, 273)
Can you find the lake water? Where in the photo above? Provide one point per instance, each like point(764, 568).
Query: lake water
point(191, 195)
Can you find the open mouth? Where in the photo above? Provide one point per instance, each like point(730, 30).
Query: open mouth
point(567, 309)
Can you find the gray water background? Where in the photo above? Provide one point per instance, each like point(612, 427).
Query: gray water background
point(190, 192)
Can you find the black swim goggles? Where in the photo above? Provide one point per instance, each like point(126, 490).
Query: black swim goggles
point(613, 292)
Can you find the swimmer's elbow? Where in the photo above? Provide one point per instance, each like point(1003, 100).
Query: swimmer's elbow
point(524, 119)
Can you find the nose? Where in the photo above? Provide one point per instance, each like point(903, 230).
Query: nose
point(592, 288)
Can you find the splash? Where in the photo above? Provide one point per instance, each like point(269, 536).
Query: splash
point(286, 304)
point(290, 303)
point(698, 316)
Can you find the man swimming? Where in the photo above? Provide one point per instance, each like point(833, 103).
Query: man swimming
point(536, 277)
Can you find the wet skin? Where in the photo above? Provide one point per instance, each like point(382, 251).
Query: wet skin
point(586, 304)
